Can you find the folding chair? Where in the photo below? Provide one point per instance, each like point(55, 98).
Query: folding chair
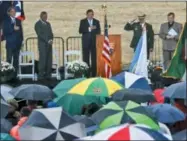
point(69, 56)
point(24, 64)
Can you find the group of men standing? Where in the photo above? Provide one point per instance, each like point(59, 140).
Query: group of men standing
point(89, 28)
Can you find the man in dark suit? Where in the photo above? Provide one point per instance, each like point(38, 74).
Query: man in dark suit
point(137, 28)
point(12, 31)
point(45, 40)
point(89, 28)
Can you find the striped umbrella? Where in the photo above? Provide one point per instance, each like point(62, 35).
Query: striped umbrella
point(131, 132)
point(51, 124)
point(96, 87)
point(116, 113)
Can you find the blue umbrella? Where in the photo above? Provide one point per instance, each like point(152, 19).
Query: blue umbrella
point(6, 126)
point(180, 136)
point(177, 90)
point(130, 80)
point(166, 113)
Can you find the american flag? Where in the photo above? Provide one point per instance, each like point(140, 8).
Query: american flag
point(18, 4)
point(106, 51)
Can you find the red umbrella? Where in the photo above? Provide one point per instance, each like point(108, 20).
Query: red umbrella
point(158, 93)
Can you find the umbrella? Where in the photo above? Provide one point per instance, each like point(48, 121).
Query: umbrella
point(158, 94)
point(66, 85)
point(166, 113)
point(6, 137)
point(177, 90)
point(51, 124)
point(32, 92)
point(73, 103)
point(130, 132)
point(96, 87)
point(136, 95)
point(6, 126)
point(5, 89)
point(116, 113)
point(4, 108)
point(180, 136)
point(130, 80)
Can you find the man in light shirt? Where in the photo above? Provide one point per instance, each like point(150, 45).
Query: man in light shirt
point(138, 26)
point(169, 33)
point(89, 28)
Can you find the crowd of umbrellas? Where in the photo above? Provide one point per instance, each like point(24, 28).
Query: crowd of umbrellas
point(123, 115)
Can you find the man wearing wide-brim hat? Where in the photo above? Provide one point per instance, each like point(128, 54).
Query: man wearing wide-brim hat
point(137, 26)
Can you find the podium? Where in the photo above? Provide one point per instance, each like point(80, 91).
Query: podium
point(115, 43)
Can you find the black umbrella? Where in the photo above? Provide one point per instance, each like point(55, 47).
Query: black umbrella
point(4, 108)
point(137, 95)
point(87, 121)
point(6, 126)
point(32, 92)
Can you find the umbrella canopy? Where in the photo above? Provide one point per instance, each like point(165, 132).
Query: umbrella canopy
point(6, 137)
point(116, 113)
point(130, 80)
point(180, 136)
point(177, 90)
point(130, 132)
point(166, 113)
point(137, 95)
point(6, 126)
point(4, 108)
point(96, 87)
point(5, 89)
point(73, 103)
point(87, 121)
point(32, 92)
point(66, 85)
point(51, 124)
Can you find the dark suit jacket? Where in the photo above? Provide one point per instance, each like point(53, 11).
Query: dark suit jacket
point(137, 29)
point(13, 38)
point(89, 38)
point(44, 32)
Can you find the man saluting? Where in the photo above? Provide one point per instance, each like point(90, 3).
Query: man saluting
point(137, 28)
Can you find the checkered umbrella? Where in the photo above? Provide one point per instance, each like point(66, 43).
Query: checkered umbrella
point(51, 124)
point(131, 132)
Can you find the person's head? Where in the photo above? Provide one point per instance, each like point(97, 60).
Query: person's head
point(141, 18)
point(13, 105)
point(91, 109)
point(11, 11)
point(32, 103)
point(25, 112)
point(171, 17)
point(43, 16)
point(90, 14)
point(179, 101)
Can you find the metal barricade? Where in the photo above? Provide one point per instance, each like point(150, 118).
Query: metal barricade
point(73, 43)
point(31, 44)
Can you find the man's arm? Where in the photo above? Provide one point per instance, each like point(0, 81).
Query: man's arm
point(51, 32)
point(38, 32)
point(151, 37)
point(82, 28)
point(162, 35)
point(98, 28)
point(129, 26)
point(7, 28)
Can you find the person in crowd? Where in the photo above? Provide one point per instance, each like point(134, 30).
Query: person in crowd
point(49, 104)
point(32, 104)
point(13, 34)
point(89, 28)
point(14, 132)
point(182, 125)
point(13, 115)
point(90, 109)
point(137, 26)
point(169, 33)
point(45, 41)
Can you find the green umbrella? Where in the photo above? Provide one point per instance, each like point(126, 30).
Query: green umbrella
point(6, 137)
point(73, 103)
point(66, 85)
point(116, 113)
